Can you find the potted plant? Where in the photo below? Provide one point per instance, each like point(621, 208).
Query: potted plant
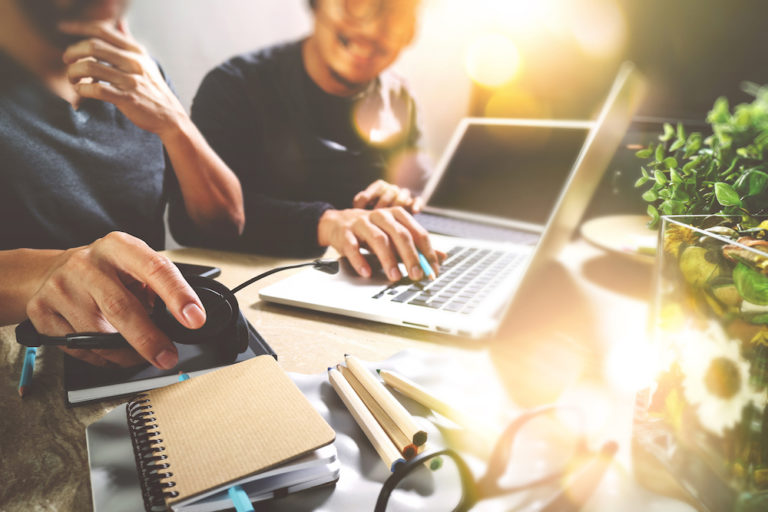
point(723, 173)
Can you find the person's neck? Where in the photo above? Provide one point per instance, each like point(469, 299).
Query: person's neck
point(21, 40)
point(322, 75)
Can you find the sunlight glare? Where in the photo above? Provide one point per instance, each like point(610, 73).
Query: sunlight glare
point(492, 60)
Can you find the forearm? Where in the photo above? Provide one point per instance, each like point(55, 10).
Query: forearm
point(22, 271)
point(275, 226)
point(211, 192)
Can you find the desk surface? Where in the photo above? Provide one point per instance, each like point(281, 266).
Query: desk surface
point(601, 305)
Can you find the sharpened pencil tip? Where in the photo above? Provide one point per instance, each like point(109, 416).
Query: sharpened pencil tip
point(330, 368)
point(22, 390)
point(378, 370)
point(347, 355)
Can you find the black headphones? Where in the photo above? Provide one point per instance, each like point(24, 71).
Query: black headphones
point(225, 326)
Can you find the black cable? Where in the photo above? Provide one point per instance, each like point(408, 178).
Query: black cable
point(327, 266)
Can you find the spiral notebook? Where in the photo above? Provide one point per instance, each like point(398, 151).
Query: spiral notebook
point(246, 424)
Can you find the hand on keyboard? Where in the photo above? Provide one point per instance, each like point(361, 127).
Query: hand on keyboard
point(389, 233)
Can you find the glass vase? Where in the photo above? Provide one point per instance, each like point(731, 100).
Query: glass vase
point(701, 431)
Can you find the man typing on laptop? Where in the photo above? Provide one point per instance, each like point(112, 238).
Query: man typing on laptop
point(324, 140)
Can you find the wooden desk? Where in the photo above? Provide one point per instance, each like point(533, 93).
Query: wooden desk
point(597, 302)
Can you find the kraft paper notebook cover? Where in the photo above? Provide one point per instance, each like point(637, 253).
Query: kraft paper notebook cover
point(199, 436)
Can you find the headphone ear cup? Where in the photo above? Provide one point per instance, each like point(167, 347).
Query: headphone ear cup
point(221, 310)
point(243, 334)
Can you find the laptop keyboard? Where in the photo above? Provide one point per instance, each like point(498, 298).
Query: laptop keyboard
point(468, 229)
point(467, 276)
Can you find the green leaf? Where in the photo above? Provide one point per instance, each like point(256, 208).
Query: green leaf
point(690, 165)
point(660, 153)
point(644, 172)
point(660, 178)
point(644, 153)
point(751, 284)
point(680, 131)
point(670, 163)
point(693, 144)
point(677, 144)
point(668, 132)
point(726, 196)
point(674, 177)
point(681, 195)
point(757, 182)
point(653, 213)
point(642, 180)
point(650, 195)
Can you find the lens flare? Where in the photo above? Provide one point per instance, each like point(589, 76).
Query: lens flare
point(631, 364)
point(492, 60)
point(509, 102)
point(599, 28)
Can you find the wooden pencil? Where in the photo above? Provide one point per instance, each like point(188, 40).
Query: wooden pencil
point(373, 431)
point(402, 442)
point(418, 394)
point(389, 403)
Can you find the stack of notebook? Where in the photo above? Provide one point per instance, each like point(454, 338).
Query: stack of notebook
point(183, 446)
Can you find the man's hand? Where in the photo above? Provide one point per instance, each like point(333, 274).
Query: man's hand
point(387, 232)
point(109, 65)
point(108, 286)
point(381, 194)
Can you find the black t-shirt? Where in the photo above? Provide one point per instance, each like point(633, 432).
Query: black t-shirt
point(68, 177)
point(297, 150)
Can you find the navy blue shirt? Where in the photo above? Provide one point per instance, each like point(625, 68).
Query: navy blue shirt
point(68, 177)
point(297, 150)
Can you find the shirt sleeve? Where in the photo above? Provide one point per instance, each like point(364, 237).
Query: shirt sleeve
point(232, 127)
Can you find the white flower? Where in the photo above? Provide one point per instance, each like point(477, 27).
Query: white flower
point(716, 379)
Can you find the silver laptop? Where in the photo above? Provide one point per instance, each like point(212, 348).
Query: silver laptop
point(528, 179)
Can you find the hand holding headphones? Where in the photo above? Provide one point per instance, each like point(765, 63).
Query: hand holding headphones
point(225, 327)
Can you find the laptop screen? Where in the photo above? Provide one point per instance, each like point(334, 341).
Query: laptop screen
point(510, 171)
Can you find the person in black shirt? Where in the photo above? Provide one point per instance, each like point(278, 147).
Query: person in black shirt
point(92, 139)
point(319, 132)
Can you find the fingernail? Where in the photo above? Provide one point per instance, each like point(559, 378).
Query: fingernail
point(194, 316)
point(394, 274)
point(167, 359)
point(364, 271)
point(416, 273)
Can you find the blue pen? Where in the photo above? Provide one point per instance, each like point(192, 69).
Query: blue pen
point(237, 495)
point(27, 370)
point(428, 273)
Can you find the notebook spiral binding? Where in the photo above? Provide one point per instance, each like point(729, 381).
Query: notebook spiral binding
point(152, 464)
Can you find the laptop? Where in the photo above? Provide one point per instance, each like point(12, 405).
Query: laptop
point(523, 185)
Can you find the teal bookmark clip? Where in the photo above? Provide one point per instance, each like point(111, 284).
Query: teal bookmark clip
point(27, 369)
point(239, 497)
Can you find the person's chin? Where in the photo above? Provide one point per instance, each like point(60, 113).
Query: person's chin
point(357, 74)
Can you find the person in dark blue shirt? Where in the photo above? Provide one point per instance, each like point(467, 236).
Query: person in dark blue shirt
point(92, 141)
point(324, 140)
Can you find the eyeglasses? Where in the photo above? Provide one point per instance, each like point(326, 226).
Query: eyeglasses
point(540, 446)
